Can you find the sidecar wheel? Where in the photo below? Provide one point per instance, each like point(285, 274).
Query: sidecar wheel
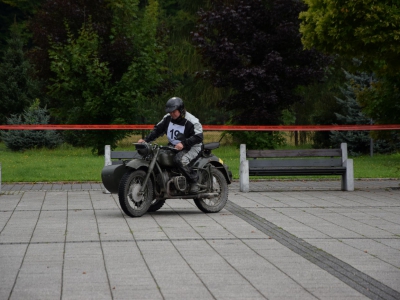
point(132, 204)
point(220, 186)
point(156, 205)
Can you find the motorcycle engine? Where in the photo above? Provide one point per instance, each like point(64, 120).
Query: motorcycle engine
point(180, 183)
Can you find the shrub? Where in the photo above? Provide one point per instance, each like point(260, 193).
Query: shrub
point(19, 140)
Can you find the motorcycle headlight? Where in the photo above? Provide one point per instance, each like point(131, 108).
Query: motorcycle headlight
point(143, 149)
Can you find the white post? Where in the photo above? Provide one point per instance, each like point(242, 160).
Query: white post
point(107, 161)
point(348, 177)
point(343, 146)
point(243, 170)
point(0, 177)
point(107, 155)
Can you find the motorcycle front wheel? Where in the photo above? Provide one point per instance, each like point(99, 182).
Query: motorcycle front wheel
point(132, 203)
point(156, 205)
point(220, 186)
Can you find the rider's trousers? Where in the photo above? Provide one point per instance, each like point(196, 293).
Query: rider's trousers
point(183, 159)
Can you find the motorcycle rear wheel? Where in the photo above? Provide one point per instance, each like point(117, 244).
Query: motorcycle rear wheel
point(133, 204)
point(220, 186)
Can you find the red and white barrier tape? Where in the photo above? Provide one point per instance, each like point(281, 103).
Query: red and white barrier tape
point(209, 127)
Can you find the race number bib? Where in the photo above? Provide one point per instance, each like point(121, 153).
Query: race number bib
point(173, 131)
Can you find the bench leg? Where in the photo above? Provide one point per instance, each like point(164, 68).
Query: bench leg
point(244, 176)
point(348, 177)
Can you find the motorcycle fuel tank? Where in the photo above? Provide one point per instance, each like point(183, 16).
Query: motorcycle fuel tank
point(166, 158)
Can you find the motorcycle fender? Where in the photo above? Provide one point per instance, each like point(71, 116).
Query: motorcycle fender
point(216, 162)
point(138, 163)
point(111, 175)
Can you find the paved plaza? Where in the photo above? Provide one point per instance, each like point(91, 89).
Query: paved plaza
point(282, 240)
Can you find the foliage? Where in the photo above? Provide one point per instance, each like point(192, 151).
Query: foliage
point(58, 19)
point(19, 140)
point(178, 19)
point(367, 29)
point(89, 87)
point(17, 86)
point(255, 49)
point(82, 85)
point(258, 140)
point(358, 142)
point(144, 78)
point(381, 100)
point(15, 13)
point(27, 7)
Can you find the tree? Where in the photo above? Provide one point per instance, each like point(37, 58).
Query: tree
point(89, 90)
point(381, 100)
point(365, 29)
point(111, 20)
point(358, 142)
point(255, 49)
point(12, 11)
point(18, 88)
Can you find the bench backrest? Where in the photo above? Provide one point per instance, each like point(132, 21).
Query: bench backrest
point(294, 153)
point(122, 154)
point(295, 158)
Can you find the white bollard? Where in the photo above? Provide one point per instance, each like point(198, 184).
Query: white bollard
point(107, 161)
point(243, 170)
point(348, 178)
point(244, 176)
point(107, 155)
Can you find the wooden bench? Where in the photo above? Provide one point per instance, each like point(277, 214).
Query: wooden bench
point(117, 157)
point(296, 163)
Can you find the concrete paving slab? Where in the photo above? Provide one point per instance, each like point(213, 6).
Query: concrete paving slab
point(40, 276)
point(11, 257)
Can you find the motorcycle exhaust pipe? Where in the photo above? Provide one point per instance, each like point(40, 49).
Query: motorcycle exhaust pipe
point(194, 196)
point(206, 195)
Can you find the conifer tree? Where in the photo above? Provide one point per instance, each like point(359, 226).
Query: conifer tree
point(17, 86)
point(358, 142)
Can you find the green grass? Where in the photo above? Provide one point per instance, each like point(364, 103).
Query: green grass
point(43, 165)
point(79, 164)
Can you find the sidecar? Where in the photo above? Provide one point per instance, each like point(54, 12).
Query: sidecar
point(111, 175)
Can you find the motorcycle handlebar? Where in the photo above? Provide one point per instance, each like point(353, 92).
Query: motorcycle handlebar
point(144, 145)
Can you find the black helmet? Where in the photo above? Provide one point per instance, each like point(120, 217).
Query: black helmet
point(174, 103)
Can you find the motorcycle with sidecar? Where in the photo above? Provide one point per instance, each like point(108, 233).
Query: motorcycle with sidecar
point(145, 182)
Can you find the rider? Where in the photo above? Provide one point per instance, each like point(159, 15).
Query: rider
point(185, 132)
